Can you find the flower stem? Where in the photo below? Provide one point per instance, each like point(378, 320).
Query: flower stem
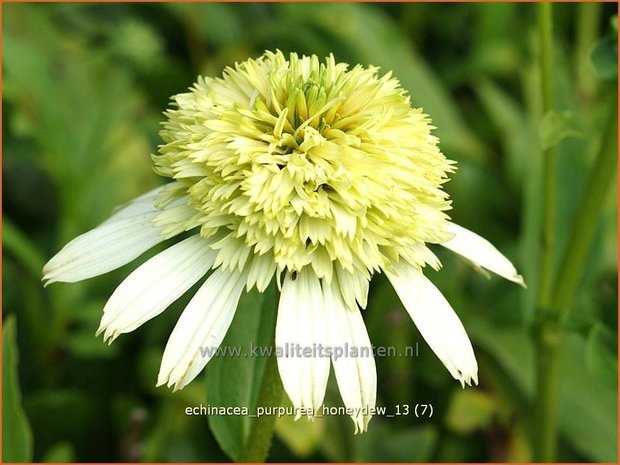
point(547, 332)
point(545, 29)
point(588, 20)
point(261, 433)
point(548, 336)
point(555, 295)
point(586, 219)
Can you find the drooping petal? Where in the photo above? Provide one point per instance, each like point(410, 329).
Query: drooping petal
point(201, 328)
point(260, 271)
point(481, 252)
point(300, 327)
point(141, 204)
point(152, 287)
point(353, 287)
point(176, 217)
point(356, 373)
point(438, 323)
point(123, 237)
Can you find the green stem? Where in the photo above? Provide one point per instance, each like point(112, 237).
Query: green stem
point(547, 332)
point(545, 27)
point(548, 339)
point(554, 301)
point(588, 20)
point(261, 433)
point(586, 218)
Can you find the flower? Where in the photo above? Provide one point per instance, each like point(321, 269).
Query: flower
point(305, 170)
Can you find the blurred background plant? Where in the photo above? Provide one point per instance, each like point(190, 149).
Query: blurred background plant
point(84, 86)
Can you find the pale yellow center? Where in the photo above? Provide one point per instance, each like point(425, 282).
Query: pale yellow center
point(300, 163)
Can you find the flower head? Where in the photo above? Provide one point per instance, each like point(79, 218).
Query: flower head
point(305, 170)
point(306, 164)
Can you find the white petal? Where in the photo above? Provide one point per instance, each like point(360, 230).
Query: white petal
point(201, 328)
point(481, 252)
point(148, 291)
point(127, 234)
point(103, 249)
point(176, 218)
point(353, 287)
point(124, 236)
point(437, 322)
point(301, 324)
point(142, 204)
point(260, 271)
point(356, 375)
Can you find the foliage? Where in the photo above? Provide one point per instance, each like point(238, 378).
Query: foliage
point(17, 439)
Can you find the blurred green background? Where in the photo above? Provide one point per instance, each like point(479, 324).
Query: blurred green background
point(84, 87)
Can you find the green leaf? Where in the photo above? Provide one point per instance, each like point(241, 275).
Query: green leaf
point(235, 380)
point(588, 405)
point(86, 151)
point(383, 443)
point(82, 344)
point(302, 437)
point(556, 126)
point(138, 43)
point(511, 348)
point(199, 17)
point(604, 58)
point(61, 452)
point(470, 410)
point(517, 134)
point(17, 437)
point(588, 399)
point(599, 352)
point(19, 245)
point(67, 414)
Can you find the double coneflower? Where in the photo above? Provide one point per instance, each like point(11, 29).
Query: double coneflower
point(306, 171)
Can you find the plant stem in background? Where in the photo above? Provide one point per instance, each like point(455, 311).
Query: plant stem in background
point(547, 332)
point(548, 336)
point(556, 295)
point(545, 27)
point(588, 20)
point(270, 395)
point(586, 219)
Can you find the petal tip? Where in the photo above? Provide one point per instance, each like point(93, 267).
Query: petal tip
point(518, 279)
point(361, 423)
point(49, 275)
point(110, 336)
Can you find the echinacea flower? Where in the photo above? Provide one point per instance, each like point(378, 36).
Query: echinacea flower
point(305, 170)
